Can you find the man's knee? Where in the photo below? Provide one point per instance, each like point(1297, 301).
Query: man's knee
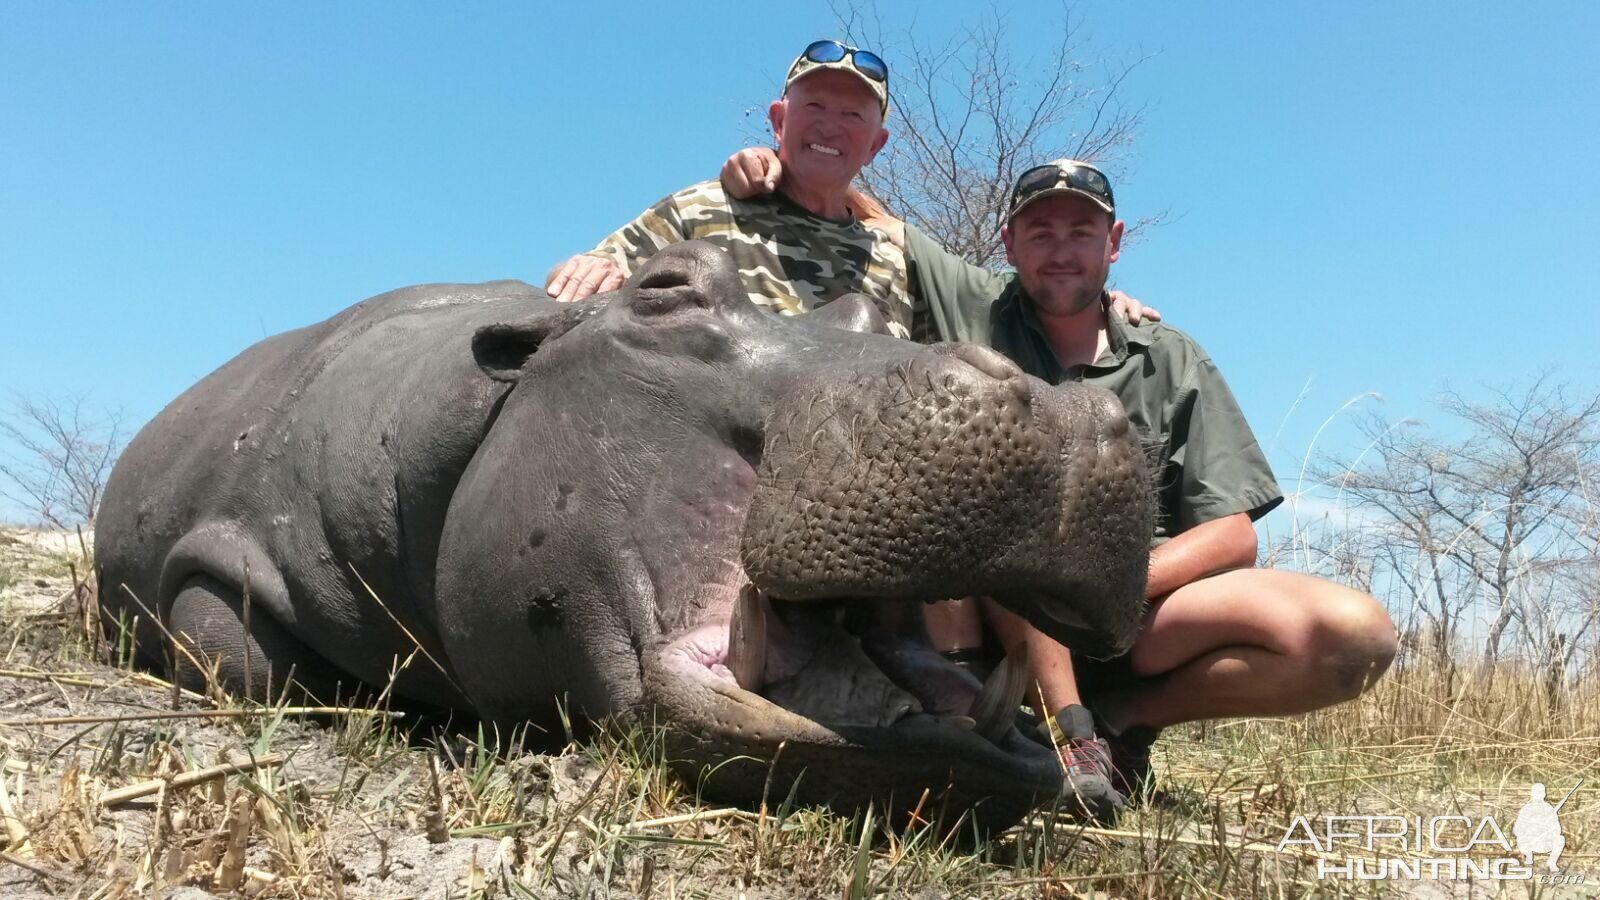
point(1354, 640)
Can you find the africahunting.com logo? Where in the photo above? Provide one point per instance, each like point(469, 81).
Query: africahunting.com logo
point(1442, 848)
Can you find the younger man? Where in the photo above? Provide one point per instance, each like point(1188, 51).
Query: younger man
point(1220, 637)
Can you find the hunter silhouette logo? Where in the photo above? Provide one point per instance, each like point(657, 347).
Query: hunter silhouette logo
point(1444, 847)
point(1538, 827)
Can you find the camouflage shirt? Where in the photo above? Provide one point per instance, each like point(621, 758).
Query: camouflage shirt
point(791, 260)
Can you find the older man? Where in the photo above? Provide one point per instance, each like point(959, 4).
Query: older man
point(799, 246)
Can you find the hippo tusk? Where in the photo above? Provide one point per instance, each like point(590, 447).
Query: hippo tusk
point(965, 723)
point(995, 708)
point(747, 638)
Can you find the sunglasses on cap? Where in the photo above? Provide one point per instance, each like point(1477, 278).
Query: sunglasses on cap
point(828, 51)
point(1062, 174)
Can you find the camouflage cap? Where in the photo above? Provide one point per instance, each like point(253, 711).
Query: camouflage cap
point(830, 54)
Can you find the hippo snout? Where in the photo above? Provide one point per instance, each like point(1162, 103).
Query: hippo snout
point(948, 474)
point(955, 476)
point(990, 362)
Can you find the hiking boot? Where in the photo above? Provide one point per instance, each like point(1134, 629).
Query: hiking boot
point(1086, 768)
point(1130, 756)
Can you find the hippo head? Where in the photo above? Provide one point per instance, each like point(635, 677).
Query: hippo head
point(726, 521)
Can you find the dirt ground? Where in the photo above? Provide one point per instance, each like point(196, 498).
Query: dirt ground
point(350, 805)
point(358, 822)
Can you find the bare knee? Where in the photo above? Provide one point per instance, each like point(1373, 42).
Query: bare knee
point(1352, 641)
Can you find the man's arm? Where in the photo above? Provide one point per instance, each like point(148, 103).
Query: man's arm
point(1221, 468)
point(1223, 481)
point(757, 170)
point(1206, 549)
point(957, 294)
point(873, 214)
point(610, 263)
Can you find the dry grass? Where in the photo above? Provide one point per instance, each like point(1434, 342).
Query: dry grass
point(348, 806)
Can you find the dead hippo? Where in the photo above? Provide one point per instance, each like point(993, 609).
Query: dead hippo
point(505, 505)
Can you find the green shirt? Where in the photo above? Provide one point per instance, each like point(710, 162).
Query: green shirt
point(1206, 462)
point(790, 260)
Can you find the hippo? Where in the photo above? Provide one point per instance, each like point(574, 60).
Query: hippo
point(662, 506)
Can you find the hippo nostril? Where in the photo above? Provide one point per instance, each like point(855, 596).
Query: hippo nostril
point(748, 443)
point(664, 277)
point(990, 362)
point(654, 297)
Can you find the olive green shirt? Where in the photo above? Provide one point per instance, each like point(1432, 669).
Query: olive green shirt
point(1205, 460)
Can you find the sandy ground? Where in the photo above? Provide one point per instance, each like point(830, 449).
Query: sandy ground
point(371, 839)
point(346, 815)
point(36, 560)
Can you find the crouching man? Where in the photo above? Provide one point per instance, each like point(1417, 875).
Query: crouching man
point(1220, 638)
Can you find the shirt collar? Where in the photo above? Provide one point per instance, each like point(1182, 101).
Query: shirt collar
point(1121, 336)
point(792, 206)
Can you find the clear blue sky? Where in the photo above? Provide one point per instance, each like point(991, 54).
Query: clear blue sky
point(1365, 196)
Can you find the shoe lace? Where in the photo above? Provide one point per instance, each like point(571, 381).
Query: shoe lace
point(1085, 756)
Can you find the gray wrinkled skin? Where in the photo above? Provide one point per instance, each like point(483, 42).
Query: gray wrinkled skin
point(521, 503)
point(933, 483)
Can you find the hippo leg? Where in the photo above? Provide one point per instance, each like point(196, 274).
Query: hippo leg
point(208, 617)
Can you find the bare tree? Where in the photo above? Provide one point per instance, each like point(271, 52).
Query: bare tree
point(1499, 518)
point(968, 118)
point(57, 457)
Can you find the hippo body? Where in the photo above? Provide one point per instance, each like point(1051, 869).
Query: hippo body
point(518, 508)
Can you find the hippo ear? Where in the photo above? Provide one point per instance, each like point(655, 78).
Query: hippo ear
point(502, 350)
point(853, 312)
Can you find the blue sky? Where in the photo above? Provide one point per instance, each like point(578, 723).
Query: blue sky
point(1386, 197)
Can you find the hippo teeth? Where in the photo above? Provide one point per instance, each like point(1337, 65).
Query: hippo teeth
point(995, 708)
point(747, 639)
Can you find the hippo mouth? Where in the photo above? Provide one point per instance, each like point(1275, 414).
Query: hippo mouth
point(947, 475)
point(860, 672)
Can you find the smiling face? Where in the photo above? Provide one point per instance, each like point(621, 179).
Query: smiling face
point(1063, 247)
point(829, 126)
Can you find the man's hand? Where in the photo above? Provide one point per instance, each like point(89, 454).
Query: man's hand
point(1132, 310)
point(582, 276)
point(751, 171)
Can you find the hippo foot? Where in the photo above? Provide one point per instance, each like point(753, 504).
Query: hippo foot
point(259, 660)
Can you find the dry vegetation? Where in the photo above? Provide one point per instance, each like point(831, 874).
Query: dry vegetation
point(107, 794)
point(356, 804)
